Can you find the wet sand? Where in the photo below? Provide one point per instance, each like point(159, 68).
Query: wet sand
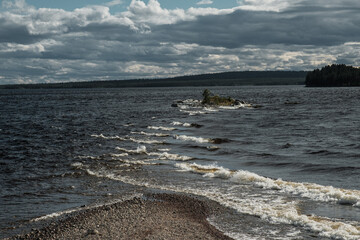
point(157, 216)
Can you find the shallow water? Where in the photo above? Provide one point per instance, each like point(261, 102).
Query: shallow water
point(294, 162)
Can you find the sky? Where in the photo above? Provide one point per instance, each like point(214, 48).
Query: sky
point(45, 41)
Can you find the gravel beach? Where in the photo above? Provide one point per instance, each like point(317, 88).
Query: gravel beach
point(156, 216)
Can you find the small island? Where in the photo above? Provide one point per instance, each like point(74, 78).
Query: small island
point(336, 75)
point(210, 99)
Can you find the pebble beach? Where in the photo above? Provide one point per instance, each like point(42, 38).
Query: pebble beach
point(156, 216)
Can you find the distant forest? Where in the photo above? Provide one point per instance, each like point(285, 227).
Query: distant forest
point(336, 75)
point(214, 79)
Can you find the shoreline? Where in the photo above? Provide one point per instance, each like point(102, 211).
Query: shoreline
point(154, 216)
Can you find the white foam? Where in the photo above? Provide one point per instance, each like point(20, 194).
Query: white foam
point(68, 211)
point(309, 190)
point(77, 164)
point(116, 155)
point(212, 147)
point(139, 162)
point(192, 139)
point(210, 109)
point(144, 141)
point(193, 113)
point(170, 156)
point(89, 157)
point(181, 124)
point(232, 234)
point(139, 150)
point(54, 215)
point(164, 149)
point(161, 128)
point(230, 107)
point(151, 134)
point(241, 105)
point(108, 137)
point(192, 102)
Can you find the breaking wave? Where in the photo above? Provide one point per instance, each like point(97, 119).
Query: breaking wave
point(152, 134)
point(160, 155)
point(181, 124)
point(108, 137)
point(161, 128)
point(195, 125)
point(170, 156)
point(308, 190)
point(193, 113)
point(139, 150)
point(201, 139)
point(127, 138)
point(192, 139)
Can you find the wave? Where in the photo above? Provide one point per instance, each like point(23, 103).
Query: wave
point(161, 128)
point(275, 210)
point(56, 214)
point(89, 157)
point(240, 105)
point(308, 190)
point(116, 155)
point(160, 155)
point(164, 149)
point(195, 125)
point(193, 139)
point(145, 141)
point(139, 150)
point(170, 156)
point(181, 124)
point(323, 152)
point(201, 139)
point(108, 137)
point(127, 138)
point(193, 113)
point(139, 162)
point(151, 134)
point(211, 109)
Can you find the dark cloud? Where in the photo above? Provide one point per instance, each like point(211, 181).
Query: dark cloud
point(15, 33)
point(262, 28)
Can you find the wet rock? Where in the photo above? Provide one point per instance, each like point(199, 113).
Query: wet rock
point(92, 232)
point(219, 140)
point(195, 125)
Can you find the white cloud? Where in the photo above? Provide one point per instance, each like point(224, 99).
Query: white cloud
point(205, 2)
point(17, 5)
point(266, 5)
point(114, 3)
point(153, 13)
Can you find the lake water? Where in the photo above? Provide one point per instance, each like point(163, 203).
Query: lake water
point(288, 168)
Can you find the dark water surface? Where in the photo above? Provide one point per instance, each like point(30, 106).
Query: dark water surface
point(294, 162)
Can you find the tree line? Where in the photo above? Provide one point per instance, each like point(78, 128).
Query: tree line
point(212, 79)
point(335, 75)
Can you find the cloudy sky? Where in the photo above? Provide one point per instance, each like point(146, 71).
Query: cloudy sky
point(82, 40)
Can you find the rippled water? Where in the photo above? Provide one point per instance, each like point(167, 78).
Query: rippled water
point(294, 162)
